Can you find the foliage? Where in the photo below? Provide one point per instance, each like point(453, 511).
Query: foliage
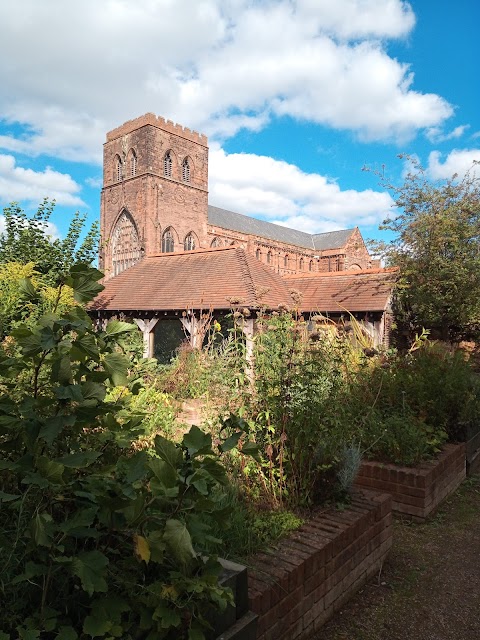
point(437, 233)
point(27, 240)
point(24, 297)
point(98, 539)
point(296, 374)
point(402, 408)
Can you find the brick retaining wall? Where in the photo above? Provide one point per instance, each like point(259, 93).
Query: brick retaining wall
point(417, 491)
point(298, 586)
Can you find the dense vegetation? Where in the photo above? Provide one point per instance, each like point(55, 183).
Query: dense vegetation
point(112, 512)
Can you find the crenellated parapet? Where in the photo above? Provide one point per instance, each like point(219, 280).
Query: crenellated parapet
point(157, 121)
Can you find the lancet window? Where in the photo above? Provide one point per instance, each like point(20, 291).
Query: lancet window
point(168, 243)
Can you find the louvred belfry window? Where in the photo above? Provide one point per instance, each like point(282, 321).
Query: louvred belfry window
point(118, 169)
point(167, 165)
point(133, 165)
point(186, 170)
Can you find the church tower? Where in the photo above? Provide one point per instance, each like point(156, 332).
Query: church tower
point(155, 192)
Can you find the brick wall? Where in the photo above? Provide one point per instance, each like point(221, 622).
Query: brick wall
point(298, 586)
point(417, 491)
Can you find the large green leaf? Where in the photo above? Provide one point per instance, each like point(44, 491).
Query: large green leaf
point(164, 472)
point(116, 366)
point(80, 459)
point(197, 441)
point(116, 327)
point(168, 618)
point(41, 528)
point(167, 451)
point(90, 566)
point(62, 370)
point(83, 281)
point(178, 539)
point(52, 427)
point(8, 497)
point(67, 633)
point(52, 470)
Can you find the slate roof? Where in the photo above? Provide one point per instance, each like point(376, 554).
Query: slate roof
point(201, 279)
point(245, 224)
point(334, 292)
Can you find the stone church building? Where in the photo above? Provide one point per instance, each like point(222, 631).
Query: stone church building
point(167, 252)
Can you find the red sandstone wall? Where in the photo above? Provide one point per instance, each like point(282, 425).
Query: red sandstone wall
point(153, 200)
point(297, 587)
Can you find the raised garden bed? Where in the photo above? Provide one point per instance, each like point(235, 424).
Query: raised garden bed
point(296, 587)
point(417, 491)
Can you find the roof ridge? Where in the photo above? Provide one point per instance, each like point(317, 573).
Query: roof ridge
point(190, 252)
point(331, 274)
point(246, 271)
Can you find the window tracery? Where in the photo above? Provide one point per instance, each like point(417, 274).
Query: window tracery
point(168, 242)
point(189, 242)
point(126, 250)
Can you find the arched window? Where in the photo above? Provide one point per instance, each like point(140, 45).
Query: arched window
point(118, 168)
point(186, 170)
point(269, 257)
point(215, 243)
point(168, 243)
point(125, 244)
point(258, 254)
point(301, 264)
point(285, 262)
point(167, 165)
point(310, 265)
point(189, 243)
point(133, 164)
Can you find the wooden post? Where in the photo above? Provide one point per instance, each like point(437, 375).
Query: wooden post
point(248, 328)
point(146, 327)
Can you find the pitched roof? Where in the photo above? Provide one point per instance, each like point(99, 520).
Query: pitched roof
point(201, 279)
point(334, 292)
point(245, 224)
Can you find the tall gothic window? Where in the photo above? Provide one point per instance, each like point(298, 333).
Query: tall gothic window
point(301, 264)
point(186, 170)
point(125, 244)
point(167, 165)
point(215, 243)
point(118, 168)
point(168, 243)
point(133, 164)
point(285, 262)
point(310, 265)
point(258, 254)
point(269, 257)
point(189, 243)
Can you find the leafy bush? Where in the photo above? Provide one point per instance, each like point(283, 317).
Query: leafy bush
point(98, 539)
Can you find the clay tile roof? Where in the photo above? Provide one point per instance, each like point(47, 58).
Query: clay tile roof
point(201, 279)
point(367, 290)
point(232, 221)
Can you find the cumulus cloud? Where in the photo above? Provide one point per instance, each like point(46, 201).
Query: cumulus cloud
point(19, 184)
point(280, 192)
point(216, 65)
point(458, 161)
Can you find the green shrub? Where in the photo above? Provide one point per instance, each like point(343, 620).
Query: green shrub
point(98, 539)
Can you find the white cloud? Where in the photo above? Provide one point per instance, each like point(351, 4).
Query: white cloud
point(282, 193)
point(77, 69)
point(19, 184)
point(436, 134)
point(458, 161)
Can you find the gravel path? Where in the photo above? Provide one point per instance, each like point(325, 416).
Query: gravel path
point(429, 588)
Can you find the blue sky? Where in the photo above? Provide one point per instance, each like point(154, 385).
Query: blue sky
point(296, 97)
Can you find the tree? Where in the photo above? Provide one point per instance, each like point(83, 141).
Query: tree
point(26, 240)
point(436, 247)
